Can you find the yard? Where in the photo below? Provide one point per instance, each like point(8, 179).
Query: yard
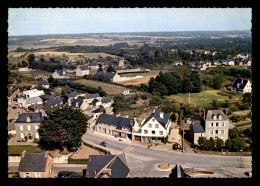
point(18, 149)
point(205, 97)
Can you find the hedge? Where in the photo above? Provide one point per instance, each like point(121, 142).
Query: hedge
point(70, 174)
point(77, 161)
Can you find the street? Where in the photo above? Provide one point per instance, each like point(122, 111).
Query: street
point(142, 161)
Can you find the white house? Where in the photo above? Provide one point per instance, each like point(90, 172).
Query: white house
point(230, 62)
point(91, 97)
point(82, 70)
point(177, 63)
point(33, 93)
point(125, 92)
point(24, 69)
point(60, 74)
point(155, 127)
point(242, 55)
point(29, 101)
point(241, 86)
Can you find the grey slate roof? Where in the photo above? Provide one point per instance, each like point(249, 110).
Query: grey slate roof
point(114, 120)
point(163, 121)
point(75, 101)
point(54, 101)
point(210, 114)
point(83, 67)
point(105, 74)
point(33, 162)
point(239, 82)
point(91, 96)
point(35, 118)
point(47, 97)
point(32, 100)
point(97, 162)
point(93, 63)
point(197, 127)
point(42, 82)
point(105, 100)
point(71, 95)
point(60, 72)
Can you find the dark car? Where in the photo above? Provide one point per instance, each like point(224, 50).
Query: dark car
point(103, 143)
point(14, 107)
point(175, 146)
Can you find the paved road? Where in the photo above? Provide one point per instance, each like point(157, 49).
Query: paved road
point(143, 162)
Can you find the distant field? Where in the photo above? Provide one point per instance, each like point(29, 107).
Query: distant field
point(137, 81)
point(51, 53)
point(109, 88)
point(203, 98)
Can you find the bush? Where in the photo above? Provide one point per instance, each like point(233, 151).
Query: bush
point(70, 174)
point(77, 161)
point(236, 144)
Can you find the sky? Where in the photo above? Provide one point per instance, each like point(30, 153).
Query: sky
point(36, 21)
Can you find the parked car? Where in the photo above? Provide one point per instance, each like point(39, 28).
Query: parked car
point(175, 146)
point(103, 143)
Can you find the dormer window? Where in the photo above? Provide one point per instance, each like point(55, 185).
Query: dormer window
point(28, 119)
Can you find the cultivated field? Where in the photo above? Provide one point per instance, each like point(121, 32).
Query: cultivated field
point(109, 88)
point(136, 81)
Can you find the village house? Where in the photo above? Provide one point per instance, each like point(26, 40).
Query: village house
point(247, 62)
point(42, 82)
point(215, 125)
point(35, 165)
point(216, 62)
point(126, 92)
point(32, 93)
point(24, 69)
point(70, 96)
point(82, 71)
point(242, 56)
point(50, 104)
point(81, 104)
point(93, 65)
point(106, 102)
point(230, 62)
point(178, 63)
point(107, 166)
point(14, 94)
point(114, 126)
point(155, 127)
point(33, 101)
point(241, 86)
point(208, 64)
point(201, 66)
point(60, 74)
point(192, 64)
point(26, 126)
point(91, 97)
point(238, 62)
point(119, 63)
point(114, 77)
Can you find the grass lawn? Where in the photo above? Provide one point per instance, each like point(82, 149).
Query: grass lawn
point(18, 149)
point(205, 97)
point(109, 88)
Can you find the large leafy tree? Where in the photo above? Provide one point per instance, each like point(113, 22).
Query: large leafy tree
point(62, 129)
point(196, 81)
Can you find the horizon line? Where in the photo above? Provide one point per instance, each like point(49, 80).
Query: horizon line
point(128, 32)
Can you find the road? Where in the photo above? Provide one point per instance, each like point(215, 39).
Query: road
point(143, 162)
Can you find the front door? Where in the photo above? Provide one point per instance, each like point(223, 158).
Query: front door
point(137, 138)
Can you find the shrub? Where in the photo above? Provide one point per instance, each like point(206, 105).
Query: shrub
point(70, 174)
point(77, 161)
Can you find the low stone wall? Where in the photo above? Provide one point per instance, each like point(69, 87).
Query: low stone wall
point(224, 153)
point(14, 159)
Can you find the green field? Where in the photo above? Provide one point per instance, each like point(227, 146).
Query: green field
point(109, 88)
point(18, 149)
point(205, 97)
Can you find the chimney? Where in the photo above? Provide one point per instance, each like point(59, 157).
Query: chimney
point(23, 153)
point(161, 114)
point(46, 154)
point(28, 119)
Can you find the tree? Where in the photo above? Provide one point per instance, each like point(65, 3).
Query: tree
point(236, 144)
point(110, 69)
point(50, 79)
point(211, 143)
point(65, 90)
point(203, 142)
point(247, 98)
point(196, 82)
point(62, 129)
point(215, 104)
point(219, 143)
point(187, 85)
point(233, 133)
point(31, 58)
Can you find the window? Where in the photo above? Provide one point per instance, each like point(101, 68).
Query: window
point(211, 132)
point(156, 125)
point(216, 131)
point(222, 124)
point(216, 124)
point(29, 127)
point(21, 127)
point(37, 175)
point(149, 125)
point(161, 132)
point(27, 175)
point(146, 131)
point(211, 124)
point(99, 128)
point(153, 131)
point(222, 131)
point(37, 135)
point(22, 135)
point(36, 127)
point(153, 120)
